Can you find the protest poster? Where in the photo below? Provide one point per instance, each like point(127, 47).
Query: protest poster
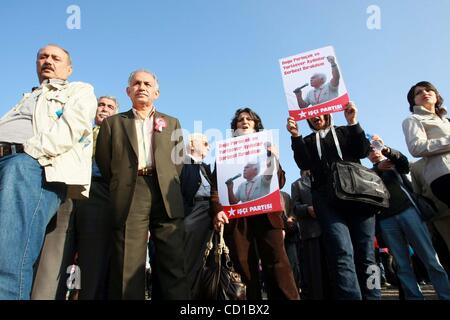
point(313, 83)
point(247, 179)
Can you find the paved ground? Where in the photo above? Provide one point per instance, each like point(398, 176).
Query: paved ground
point(387, 293)
point(391, 293)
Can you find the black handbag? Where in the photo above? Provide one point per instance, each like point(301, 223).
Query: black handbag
point(217, 279)
point(355, 186)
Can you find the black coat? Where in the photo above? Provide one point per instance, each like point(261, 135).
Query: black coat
point(190, 183)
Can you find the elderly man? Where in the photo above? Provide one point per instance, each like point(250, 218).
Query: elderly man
point(196, 189)
point(321, 91)
point(137, 153)
point(45, 153)
point(255, 187)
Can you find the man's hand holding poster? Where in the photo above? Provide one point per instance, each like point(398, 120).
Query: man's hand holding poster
point(247, 176)
point(313, 84)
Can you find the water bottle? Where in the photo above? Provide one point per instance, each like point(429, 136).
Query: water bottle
point(377, 145)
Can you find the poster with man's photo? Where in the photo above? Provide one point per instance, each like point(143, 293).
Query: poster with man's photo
point(313, 83)
point(247, 175)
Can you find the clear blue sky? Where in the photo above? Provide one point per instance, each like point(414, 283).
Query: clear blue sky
point(214, 56)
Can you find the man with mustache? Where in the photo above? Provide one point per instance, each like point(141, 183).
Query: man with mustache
point(45, 154)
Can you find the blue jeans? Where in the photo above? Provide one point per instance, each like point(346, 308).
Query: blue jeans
point(27, 203)
point(349, 240)
point(397, 232)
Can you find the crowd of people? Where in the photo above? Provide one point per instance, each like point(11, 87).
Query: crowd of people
point(93, 194)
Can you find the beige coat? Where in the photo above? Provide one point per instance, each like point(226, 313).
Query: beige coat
point(428, 136)
point(63, 145)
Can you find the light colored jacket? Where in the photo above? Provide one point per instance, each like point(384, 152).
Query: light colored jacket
point(62, 143)
point(428, 136)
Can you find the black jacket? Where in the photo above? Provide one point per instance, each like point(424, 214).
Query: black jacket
point(190, 183)
point(398, 201)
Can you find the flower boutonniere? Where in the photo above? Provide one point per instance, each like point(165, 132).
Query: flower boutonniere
point(160, 124)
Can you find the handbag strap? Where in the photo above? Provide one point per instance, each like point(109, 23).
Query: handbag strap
point(336, 143)
point(209, 247)
point(221, 247)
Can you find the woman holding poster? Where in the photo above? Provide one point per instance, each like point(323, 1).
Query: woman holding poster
point(256, 237)
point(427, 135)
point(349, 236)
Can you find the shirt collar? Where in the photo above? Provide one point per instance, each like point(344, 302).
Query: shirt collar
point(54, 83)
point(322, 132)
point(195, 159)
point(320, 88)
point(137, 116)
point(252, 180)
point(421, 110)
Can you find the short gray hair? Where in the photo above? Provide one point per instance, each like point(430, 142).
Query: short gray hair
point(57, 46)
point(110, 98)
point(255, 164)
point(145, 71)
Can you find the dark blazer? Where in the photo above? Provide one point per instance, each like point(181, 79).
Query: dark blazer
point(191, 181)
point(117, 158)
point(302, 199)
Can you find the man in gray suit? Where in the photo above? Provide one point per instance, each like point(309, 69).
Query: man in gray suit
point(137, 154)
point(314, 282)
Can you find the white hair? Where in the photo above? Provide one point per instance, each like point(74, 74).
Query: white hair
point(254, 164)
point(322, 76)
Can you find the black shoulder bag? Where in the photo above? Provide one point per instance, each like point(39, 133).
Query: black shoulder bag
point(354, 187)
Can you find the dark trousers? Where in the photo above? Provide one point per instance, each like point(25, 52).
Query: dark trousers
point(349, 238)
point(441, 188)
point(291, 247)
point(198, 229)
point(315, 280)
point(50, 281)
point(93, 230)
point(253, 237)
point(127, 274)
